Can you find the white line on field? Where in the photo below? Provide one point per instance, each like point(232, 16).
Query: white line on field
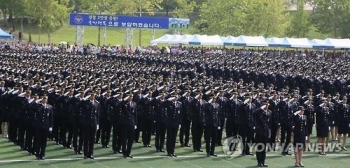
point(150, 157)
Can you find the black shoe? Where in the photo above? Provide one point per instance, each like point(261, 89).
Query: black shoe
point(42, 158)
point(80, 153)
point(69, 146)
point(249, 153)
point(161, 151)
point(286, 153)
point(119, 151)
point(187, 145)
point(137, 141)
point(130, 156)
point(200, 150)
point(91, 157)
point(174, 155)
point(107, 146)
point(260, 165)
point(301, 165)
point(215, 155)
point(149, 146)
point(265, 165)
point(96, 142)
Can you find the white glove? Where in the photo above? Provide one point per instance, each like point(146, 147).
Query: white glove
point(253, 128)
point(349, 125)
point(306, 138)
point(329, 128)
point(154, 121)
point(225, 119)
point(179, 126)
point(97, 127)
point(279, 123)
point(135, 127)
point(292, 127)
point(219, 128)
point(50, 129)
point(333, 122)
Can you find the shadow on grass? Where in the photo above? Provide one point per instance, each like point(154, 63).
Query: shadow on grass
point(10, 151)
point(15, 163)
point(105, 154)
point(190, 158)
point(339, 157)
point(66, 161)
point(59, 156)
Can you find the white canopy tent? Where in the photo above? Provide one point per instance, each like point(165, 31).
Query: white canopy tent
point(253, 41)
point(337, 43)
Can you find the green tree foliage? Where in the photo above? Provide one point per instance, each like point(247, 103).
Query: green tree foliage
point(237, 17)
point(300, 22)
point(331, 17)
point(169, 5)
point(184, 8)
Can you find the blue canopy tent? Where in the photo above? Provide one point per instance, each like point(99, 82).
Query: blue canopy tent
point(274, 41)
point(4, 35)
point(318, 44)
point(249, 41)
point(229, 40)
point(196, 40)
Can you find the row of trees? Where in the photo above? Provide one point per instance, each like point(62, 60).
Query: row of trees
point(224, 17)
point(272, 17)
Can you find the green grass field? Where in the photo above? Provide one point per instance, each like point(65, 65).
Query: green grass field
point(114, 35)
point(57, 157)
point(67, 33)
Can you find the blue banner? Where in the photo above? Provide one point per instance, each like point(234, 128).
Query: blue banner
point(143, 22)
point(79, 19)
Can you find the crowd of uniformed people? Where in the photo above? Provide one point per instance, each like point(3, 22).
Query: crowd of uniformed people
point(82, 100)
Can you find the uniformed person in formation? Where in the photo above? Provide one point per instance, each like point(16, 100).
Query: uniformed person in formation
point(3, 110)
point(198, 119)
point(173, 122)
point(105, 122)
point(343, 122)
point(187, 104)
point(115, 114)
point(128, 121)
point(310, 119)
point(43, 123)
point(90, 122)
point(247, 126)
point(322, 126)
point(222, 101)
point(262, 116)
point(287, 111)
point(160, 118)
point(275, 119)
point(149, 105)
point(78, 103)
point(23, 102)
point(234, 121)
point(212, 125)
point(300, 135)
